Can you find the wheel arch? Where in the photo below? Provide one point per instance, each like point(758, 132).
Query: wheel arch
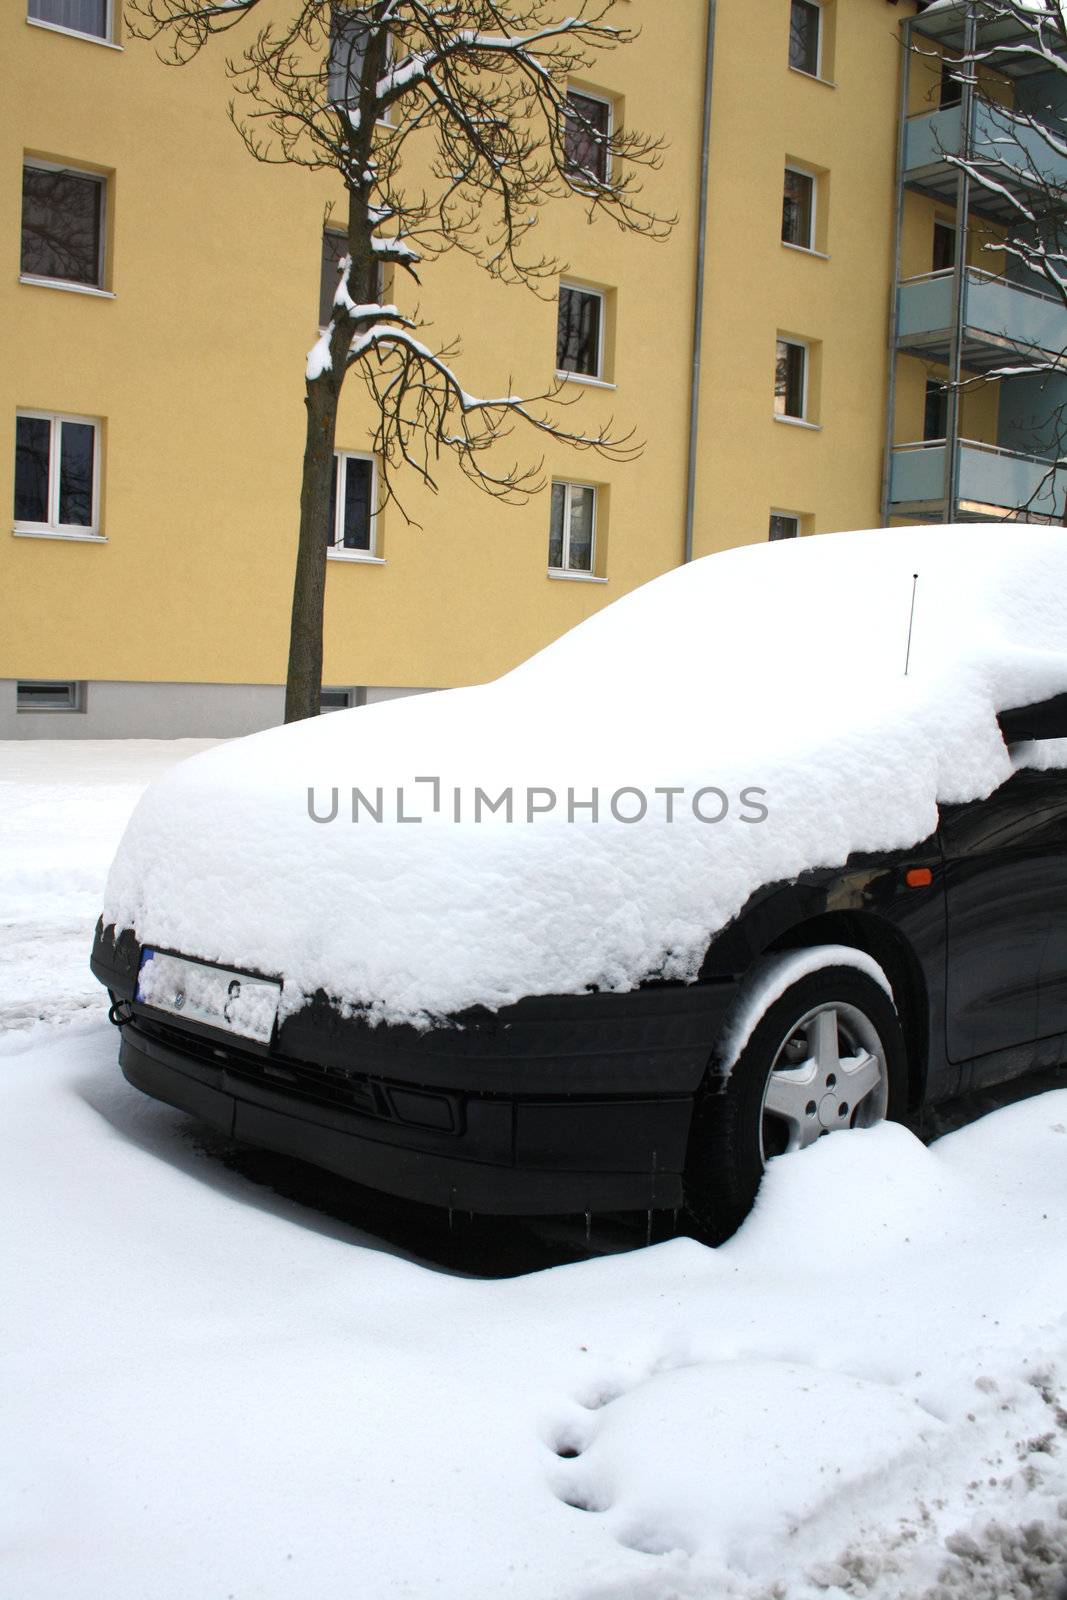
point(886, 945)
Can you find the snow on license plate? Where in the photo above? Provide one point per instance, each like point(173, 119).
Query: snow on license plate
point(233, 1001)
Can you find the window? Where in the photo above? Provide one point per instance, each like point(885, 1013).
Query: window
point(784, 525)
point(580, 331)
point(79, 16)
point(350, 39)
point(334, 246)
point(798, 209)
point(572, 534)
point(805, 37)
point(352, 505)
point(587, 134)
point(951, 87)
point(935, 410)
point(790, 379)
point(62, 225)
point(56, 474)
point(944, 246)
point(337, 699)
point(37, 695)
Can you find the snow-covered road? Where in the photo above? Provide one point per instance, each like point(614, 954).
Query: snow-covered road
point(214, 1391)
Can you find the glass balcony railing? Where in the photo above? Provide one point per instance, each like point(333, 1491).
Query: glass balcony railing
point(992, 479)
point(1018, 157)
point(995, 311)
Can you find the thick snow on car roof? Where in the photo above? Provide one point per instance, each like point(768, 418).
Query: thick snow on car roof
point(734, 722)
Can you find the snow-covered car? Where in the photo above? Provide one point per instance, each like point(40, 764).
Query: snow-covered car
point(774, 846)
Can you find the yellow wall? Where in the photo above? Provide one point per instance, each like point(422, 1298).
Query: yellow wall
point(196, 365)
point(763, 115)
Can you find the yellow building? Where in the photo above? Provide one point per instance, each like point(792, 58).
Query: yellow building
point(151, 393)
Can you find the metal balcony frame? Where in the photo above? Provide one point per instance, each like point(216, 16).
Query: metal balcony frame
point(965, 25)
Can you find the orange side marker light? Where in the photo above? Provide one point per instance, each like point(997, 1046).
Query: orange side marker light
point(918, 877)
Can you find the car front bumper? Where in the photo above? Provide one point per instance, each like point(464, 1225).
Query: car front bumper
point(559, 1104)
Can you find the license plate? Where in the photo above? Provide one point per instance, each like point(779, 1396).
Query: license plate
point(233, 1001)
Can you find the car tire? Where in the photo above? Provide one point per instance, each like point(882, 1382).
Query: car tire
point(783, 1092)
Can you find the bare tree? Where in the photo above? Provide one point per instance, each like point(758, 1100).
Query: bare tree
point(481, 86)
point(1021, 160)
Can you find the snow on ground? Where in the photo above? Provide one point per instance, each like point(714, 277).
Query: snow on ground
point(212, 1391)
point(63, 806)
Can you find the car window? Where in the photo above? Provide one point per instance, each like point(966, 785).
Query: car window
point(1029, 801)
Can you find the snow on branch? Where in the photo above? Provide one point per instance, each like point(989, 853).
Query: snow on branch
point(425, 413)
point(479, 92)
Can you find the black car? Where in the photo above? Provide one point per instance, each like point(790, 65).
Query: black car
point(902, 979)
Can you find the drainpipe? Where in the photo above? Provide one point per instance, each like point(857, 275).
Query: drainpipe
point(959, 286)
point(698, 287)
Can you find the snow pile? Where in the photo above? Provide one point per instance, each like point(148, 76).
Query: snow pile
point(64, 805)
point(768, 678)
point(212, 1391)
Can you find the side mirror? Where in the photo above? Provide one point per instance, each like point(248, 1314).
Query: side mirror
point(1045, 720)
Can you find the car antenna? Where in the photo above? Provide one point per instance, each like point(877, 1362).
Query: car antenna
point(911, 621)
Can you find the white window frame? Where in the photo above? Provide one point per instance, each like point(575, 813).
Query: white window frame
point(567, 484)
point(789, 516)
point(53, 528)
point(336, 550)
point(813, 178)
point(77, 697)
point(108, 38)
point(69, 284)
point(602, 100)
point(799, 344)
point(820, 39)
point(598, 375)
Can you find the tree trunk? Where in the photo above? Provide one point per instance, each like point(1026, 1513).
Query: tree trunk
point(303, 684)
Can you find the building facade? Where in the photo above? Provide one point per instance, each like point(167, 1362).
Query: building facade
point(166, 289)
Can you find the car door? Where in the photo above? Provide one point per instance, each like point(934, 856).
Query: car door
point(1006, 906)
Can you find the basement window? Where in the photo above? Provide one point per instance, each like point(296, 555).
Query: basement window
point(337, 699)
point(39, 694)
point(784, 525)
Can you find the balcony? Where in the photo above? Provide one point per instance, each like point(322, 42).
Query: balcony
point(1000, 319)
point(1018, 157)
point(993, 482)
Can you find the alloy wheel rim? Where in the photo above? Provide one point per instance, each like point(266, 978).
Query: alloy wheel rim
point(828, 1073)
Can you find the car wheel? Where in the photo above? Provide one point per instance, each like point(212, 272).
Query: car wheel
point(826, 1055)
